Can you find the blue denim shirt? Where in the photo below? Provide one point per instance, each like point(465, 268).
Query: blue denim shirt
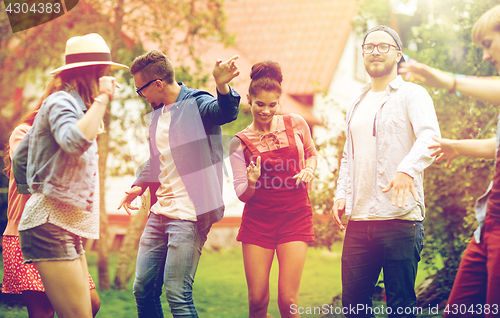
point(195, 139)
point(55, 158)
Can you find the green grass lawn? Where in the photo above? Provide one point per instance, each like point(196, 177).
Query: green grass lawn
point(220, 288)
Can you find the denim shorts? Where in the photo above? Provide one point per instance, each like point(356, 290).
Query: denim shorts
point(48, 242)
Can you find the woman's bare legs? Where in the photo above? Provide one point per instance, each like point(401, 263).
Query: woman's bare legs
point(257, 261)
point(67, 287)
point(291, 258)
point(95, 301)
point(38, 304)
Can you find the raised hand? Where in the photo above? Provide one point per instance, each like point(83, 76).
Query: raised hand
point(107, 85)
point(253, 171)
point(427, 75)
point(224, 72)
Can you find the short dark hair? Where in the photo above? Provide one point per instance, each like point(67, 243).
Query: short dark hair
point(153, 65)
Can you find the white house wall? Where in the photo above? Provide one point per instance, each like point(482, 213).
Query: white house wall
point(343, 88)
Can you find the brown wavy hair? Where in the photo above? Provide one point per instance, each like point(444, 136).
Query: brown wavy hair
point(85, 80)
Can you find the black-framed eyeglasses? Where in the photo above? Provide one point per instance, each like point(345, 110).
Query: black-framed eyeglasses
point(382, 48)
point(138, 91)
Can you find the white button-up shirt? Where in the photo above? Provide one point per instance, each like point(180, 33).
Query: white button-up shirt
point(403, 127)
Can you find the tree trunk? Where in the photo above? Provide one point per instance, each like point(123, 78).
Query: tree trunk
point(103, 244)
point(103, 144)
point(117, 42)
point(130, 244)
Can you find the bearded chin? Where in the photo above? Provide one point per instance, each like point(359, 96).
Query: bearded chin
point(379, 72)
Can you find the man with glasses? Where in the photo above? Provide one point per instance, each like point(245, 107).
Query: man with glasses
point(380, 186)
point(184, 175)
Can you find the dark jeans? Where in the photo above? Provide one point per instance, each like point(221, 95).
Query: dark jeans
point(169, 251)
point(369, 246)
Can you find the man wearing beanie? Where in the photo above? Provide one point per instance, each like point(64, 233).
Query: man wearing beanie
point(380, 187)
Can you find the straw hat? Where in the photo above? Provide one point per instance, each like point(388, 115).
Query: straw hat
point(90, 49)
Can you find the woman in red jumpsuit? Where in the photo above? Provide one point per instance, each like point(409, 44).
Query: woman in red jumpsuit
point(272, 161)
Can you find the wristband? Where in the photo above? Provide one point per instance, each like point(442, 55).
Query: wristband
point(454, 87)
point(99, 100)
point(110, 95)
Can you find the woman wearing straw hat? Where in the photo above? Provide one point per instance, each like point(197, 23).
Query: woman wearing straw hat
point(19, 278)
point(57, 163)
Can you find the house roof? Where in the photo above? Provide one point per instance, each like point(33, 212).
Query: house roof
point(307, 38)
point(242, 81)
